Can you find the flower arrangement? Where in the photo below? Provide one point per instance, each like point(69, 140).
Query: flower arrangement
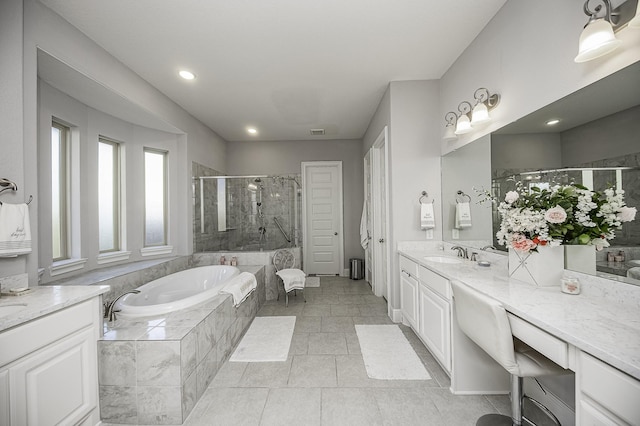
point(563, 214)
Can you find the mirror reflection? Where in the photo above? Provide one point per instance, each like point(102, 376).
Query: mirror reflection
point(589, 137)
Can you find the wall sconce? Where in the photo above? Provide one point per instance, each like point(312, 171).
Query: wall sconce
point(463, 124)
point(484, 103)
point(449, 131)
point(597, 37)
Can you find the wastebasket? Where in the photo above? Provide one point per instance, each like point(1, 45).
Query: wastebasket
point(357, 269)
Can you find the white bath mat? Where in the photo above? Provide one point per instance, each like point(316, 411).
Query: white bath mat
point(388, 355)
point(267, 339)
point(312, 282)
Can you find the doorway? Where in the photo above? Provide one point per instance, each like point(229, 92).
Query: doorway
point(322, 216)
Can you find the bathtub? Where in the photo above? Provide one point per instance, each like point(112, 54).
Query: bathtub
point(176, 291)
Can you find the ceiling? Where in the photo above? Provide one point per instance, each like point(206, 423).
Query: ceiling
point(281, 66)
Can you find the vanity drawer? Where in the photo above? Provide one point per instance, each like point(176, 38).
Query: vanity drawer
point(435, 282)
point(409, 266)
point(550, 346)
point(612, 389)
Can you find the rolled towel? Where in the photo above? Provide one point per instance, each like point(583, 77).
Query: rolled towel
point(364, 232)
point(634, 273)
point(463, 216)
point(15, 229)
point(293, 279)
point(240, 287)
point(427, 216)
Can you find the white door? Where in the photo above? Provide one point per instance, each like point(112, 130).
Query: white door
point(322, 216)
point(380, 214)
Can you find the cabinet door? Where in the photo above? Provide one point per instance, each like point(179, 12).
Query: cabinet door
point(435, 325)
point(409, 298)
point(4, 398)
point(56, 385)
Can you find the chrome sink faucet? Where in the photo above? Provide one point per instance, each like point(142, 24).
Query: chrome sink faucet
point(462, 252)
point(485, 248)
point(110, 312)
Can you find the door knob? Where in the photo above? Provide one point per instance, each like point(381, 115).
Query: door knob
point(335, 233)
point(381, 240)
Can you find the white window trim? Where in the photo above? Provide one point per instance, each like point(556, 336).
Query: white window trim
point(156, 250)
point(66, 266)
point(113, 256)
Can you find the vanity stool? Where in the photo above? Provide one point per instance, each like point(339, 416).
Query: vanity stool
point(293, 279)
point(484, 320)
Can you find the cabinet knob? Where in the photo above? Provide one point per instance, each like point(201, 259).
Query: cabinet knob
point(335, 233)
point(381, 240)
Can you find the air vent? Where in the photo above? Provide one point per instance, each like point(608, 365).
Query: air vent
point(316, 132)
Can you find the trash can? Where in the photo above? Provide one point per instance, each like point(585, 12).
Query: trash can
point(357, 269)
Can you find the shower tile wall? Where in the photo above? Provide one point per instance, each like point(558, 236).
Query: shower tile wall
point(281, 199)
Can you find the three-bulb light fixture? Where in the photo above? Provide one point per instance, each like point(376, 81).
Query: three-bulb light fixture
point(469, 116)
point(598, 36)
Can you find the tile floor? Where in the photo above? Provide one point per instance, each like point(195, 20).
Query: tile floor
point(324, 381)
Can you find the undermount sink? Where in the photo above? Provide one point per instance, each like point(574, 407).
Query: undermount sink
point(12, 308)
point(442, 259)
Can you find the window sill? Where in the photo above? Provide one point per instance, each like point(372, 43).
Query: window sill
point(66, 266)
point(115, 256)
point(156, 251)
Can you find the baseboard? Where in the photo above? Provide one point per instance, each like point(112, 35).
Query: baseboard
point(396, 315)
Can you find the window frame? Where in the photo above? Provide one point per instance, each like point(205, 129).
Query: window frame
point(63, 190)
point(165, 194)
point(116, 194)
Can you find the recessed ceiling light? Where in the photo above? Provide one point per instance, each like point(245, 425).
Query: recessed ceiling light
point(252, 131)
point(552, 122)
point(187, 75)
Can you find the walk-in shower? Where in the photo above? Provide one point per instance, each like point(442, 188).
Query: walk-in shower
point(246, 213)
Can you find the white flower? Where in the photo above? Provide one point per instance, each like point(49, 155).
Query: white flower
point(555, 215)
point(511, 196)
point(626, 214)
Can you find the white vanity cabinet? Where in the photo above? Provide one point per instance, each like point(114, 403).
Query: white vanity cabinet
point(409, 292)
point(434, 323)
point(48, 368)
point(605, 395)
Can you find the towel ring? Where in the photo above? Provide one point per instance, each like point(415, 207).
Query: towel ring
point(460, 197)
point(11, 186)
point(424, 195)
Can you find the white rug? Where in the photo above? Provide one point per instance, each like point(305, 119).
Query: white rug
point(312, 282)
point(267, 339)
point(388, 355)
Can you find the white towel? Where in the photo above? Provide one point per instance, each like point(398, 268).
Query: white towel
point(293, 279)
point(15, 229)
point(240, 287)
point(634, 273)
point(427, 216)
point(364, 232)
point(463, 216)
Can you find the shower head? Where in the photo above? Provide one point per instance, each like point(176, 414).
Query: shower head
point(258, 180)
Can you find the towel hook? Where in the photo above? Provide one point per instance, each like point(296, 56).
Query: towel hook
point(424, 195)
point(461, 194)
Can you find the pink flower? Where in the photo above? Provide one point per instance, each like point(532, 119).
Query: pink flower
point(511, 196)
point(555, 215)
point(627, 214)
point(521, 243)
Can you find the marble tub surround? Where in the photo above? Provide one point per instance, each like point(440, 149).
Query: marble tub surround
point(44, 300)
point(602, 321)
point(153, 370)
point(14, 281)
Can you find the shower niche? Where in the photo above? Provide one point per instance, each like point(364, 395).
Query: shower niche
point(245, 213)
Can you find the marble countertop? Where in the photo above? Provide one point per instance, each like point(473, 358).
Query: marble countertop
point(43, 300)
point(602, 327)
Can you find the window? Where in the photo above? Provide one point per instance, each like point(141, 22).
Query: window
point(60, 135)
point(155, 198)
point(108, 195)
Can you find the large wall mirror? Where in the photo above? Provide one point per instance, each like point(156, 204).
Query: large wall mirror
point(596, 142)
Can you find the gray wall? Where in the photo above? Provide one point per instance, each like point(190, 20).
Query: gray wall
point(285, 157)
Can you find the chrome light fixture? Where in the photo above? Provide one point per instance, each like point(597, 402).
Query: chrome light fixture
point(597, 38)
point(449, 130)
point(463, 124)
point(484, 103)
